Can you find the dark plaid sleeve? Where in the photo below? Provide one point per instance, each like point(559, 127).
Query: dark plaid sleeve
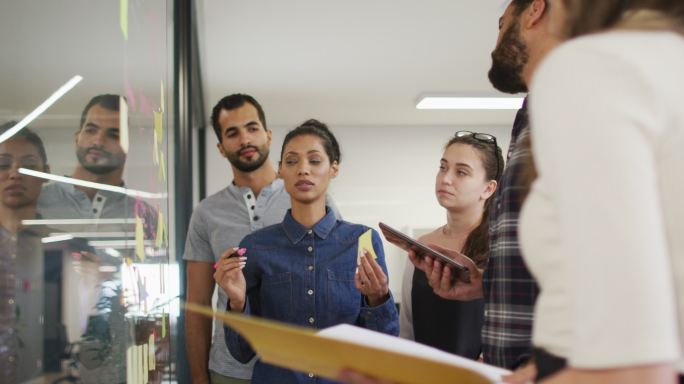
point(510, 290)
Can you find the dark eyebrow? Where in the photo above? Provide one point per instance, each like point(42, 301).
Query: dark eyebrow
point(464, 165)
point(252, 123)
point(91, 124)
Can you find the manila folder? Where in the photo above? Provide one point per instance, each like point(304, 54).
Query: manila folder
point(330, 350)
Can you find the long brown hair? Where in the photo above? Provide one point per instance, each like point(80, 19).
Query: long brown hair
point(476, 246)
point(588, 16)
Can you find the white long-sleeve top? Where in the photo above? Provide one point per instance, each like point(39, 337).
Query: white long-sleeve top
point(603, 227)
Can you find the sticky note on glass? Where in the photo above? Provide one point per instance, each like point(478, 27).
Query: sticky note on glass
point(123, 124)
point(159, 240)
point(366, 242)
point(139, 239)
point(123, 18)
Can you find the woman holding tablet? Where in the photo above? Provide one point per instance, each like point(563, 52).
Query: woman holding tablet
point(465, 181)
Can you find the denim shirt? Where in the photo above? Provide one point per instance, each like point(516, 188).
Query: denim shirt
point(305, 277)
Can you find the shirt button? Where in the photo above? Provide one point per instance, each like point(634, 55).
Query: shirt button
point(311, 320)
point(311, 375)
point(256, 218)
point(99, 198)
point(310, 231)
point(249, 197)
point(310, 267)
point(94, 210)
point(310, 249)
point(252, 207)
point(11, 302)
point(310, 292)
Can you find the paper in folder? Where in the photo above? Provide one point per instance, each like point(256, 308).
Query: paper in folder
point(326, 352)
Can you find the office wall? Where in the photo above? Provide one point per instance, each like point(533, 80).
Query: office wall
point(387, 174)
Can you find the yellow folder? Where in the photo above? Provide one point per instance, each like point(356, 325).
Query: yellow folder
point(303, 349)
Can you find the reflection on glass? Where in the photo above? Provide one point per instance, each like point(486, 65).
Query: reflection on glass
point(21, 258)
point(87, 290)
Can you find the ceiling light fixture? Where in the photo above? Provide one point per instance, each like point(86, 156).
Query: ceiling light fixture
point(469, 103)
point(55, 238)
point(90, 184)
point(41, 108)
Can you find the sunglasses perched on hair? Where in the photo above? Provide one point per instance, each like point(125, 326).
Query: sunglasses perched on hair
point(487, 139)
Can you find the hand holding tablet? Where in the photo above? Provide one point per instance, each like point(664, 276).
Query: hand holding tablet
point(406, 243)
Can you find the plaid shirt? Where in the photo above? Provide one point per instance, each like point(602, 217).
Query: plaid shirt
point(509, 289)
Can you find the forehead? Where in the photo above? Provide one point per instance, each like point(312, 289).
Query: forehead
point(18, 148)
point(238, 116)
point(463, 153)
point(304, 144)
point(102, 116)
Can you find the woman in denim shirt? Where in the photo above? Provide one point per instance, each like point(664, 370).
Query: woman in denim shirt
point(306, 270)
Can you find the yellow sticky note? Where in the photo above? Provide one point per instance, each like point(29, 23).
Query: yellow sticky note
point(139, 239)
point(161, 231)
point(129, 364)
point(366, 242)
point(152, 357)
point(158, 126)
point(155, 150)
point(162, 167)
point(123, 17)
point(123, 124)
point(161, 97)
point(145, 363)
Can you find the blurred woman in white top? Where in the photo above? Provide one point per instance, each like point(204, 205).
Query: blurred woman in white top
point(603, 227)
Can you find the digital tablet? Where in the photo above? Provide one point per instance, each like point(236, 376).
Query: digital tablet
point(406, 243)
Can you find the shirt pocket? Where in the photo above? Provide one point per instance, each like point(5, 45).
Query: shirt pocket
point(276, 296)
point(344, 300)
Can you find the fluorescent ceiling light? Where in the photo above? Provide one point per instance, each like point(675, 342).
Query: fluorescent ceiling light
point(118, 243)
point(112, 252)
point(98, 234)
point(41, 108)
point(77, 221)
point(471, 103)
point(56, 238)
point(90, 184)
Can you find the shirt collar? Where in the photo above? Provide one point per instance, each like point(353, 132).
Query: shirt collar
point(296, 232)
point(265, 192)
point(71, 189)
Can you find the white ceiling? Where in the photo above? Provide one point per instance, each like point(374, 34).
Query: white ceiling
point(351, 62)
point(348, 63)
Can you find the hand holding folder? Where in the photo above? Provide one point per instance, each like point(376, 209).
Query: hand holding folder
point(329, 351)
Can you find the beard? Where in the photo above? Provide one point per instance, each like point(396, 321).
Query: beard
point(107, 163)
point(250, 165)
point(508, 61)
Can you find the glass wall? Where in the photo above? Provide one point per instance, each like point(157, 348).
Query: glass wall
point(88, 288)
